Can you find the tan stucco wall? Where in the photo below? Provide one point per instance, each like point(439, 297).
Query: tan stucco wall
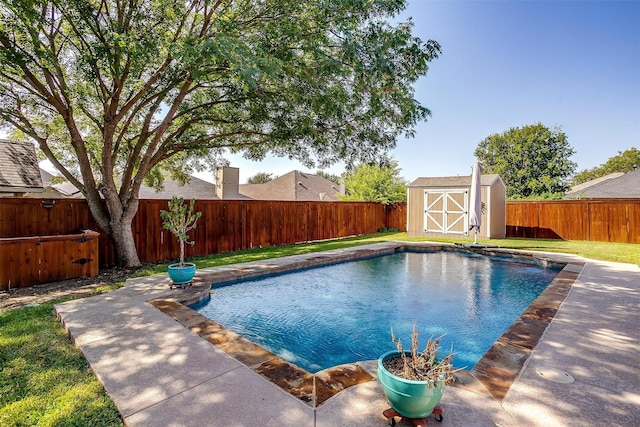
point(415, 212)
point(498, 220)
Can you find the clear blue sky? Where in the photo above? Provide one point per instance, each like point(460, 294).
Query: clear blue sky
point(572, 64)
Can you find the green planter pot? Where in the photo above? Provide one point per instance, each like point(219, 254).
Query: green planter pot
point(182, 275)
point(409, 398)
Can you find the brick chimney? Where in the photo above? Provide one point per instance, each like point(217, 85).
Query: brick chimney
point(227, 183)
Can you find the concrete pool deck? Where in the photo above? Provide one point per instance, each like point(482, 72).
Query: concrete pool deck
point(160, 373)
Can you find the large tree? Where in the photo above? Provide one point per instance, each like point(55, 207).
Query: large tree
point(117, 92)
point(624, 161)
point(375, 182)
point(533, 161)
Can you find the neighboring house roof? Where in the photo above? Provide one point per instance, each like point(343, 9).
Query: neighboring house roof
point(580, 187)
point(56, 190)
point(19, 170)
point(625, 186)
point(294, 186)
point(454, 181)
point(577, 189)
point(196, 188)
point(46, 177)
point(50, 191)
point(67, 189)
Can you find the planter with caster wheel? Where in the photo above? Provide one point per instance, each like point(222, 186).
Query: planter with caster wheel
point(409, 398)
point(181, 274)
point(413, 381)
point(390, 415)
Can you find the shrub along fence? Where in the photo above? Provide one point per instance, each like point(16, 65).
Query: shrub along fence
point(225, 226)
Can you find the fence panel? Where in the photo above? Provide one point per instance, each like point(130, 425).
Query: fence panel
point(21, 217)
point(396, 216)
point(566, 220)
point(521, 219)
point(604, 220)
point(313, 217)
point(614, 222)
point(230, 225)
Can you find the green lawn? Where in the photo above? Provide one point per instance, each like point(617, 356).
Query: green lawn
point(45, 380)
point(619, 252)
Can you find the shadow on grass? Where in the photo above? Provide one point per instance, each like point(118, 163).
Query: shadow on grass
point(45, 380)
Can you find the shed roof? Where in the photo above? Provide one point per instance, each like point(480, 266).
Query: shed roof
point(19, 170)
point(626, 186)
point(453, 181)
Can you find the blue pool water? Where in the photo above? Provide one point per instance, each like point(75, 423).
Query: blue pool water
point(343, 313)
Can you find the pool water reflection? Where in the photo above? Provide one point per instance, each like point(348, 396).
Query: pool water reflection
point(341, 313)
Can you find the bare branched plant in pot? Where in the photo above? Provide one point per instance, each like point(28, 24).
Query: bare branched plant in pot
point(412, 380)
point(179, 220)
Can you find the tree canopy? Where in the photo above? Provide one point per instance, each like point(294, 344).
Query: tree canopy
point(533, 161)
point(375, 183)
point(261, 178)
point(336, 179)
point(624, 161)
point(119, 92)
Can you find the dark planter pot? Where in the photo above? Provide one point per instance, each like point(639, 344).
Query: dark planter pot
point(409, 398)
point(182, 275)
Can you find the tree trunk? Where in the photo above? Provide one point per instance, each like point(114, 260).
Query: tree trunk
point(123, 243)
point(115, 220)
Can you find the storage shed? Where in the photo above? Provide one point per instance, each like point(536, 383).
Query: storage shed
point(439, 207)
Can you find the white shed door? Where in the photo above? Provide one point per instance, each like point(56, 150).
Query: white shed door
point(445, 211)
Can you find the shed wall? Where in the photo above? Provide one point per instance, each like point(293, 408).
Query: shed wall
point(415, 212)
point(498, 214)
point(485, 223)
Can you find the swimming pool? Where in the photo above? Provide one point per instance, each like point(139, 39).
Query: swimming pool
point(342, 313)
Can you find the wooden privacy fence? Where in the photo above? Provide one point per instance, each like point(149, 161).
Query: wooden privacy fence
point(40, 240)
point(27, 261)
point(396, 216)
point(225, 225)
point(602, 220)
point(232, 225)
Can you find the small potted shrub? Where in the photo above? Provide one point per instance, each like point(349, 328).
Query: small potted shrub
point(413, 381)
point(179, 220)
